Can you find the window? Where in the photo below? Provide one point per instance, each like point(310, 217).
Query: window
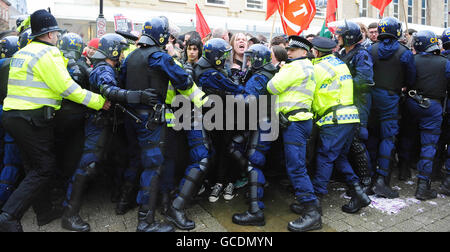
point(363, 7)
point(321, 8)
point(445, 13)
point(423, 18)
point(410, 11)
point(255, 4)
point(396, 9)
point(217, 2)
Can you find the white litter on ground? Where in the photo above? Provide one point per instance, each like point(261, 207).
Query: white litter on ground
point(396, 188)
point(442, 196)
point(388, 206)
point(409, 182)
point(340, 189)
point(344, 196)
point(432, 203)
point(420, 210)
point(413, 200)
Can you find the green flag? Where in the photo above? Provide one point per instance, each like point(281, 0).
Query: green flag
point(325, 32)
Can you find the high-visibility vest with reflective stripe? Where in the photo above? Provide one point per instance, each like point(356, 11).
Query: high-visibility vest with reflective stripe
point(334, 87)
point(130, 49)
point(294, 86)
point(38, 77)
point(195, 94)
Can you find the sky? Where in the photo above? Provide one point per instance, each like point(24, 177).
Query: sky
point(34, 5)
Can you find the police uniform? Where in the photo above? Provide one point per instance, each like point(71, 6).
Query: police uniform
point(33, 95)
point(394, 69)
point(337, 118)
point(445, 186)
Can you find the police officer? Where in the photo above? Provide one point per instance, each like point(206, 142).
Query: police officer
point(445, 186)
point(393, 70)
point(337, 118)
point(424, 105)
point(359, 61)
point(260, 73)
point(294, 84)
point(38, 80)
point(99, 134)
point(211, 76)
point(158, 68)
point(11, 161)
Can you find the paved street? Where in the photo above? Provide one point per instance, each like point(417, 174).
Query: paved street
point(400, 215)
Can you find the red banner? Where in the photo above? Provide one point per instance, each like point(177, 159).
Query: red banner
point(296, 15)
point(202, 26)
point(331, 13)
point(380, 4)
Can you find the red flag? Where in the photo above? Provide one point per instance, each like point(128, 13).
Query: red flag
point(202, 26)
point(380, 4)
point(272, 7)
point(296, 15)
point(331, 13)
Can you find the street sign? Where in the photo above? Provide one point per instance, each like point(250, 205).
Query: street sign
point(101, 27)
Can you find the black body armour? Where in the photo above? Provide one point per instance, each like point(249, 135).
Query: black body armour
point(389, 74)
point(348, 60)
point(431, 80)
point(140, 76)
point(4, 76)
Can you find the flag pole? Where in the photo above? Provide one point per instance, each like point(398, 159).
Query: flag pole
point(406, 17)
point(273, 27)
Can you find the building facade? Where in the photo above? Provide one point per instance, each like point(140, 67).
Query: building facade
point(236, 15)
point(4, 15)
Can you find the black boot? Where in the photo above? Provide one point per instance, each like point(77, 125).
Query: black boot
point(404, 173)
point(358, 201)
point(72, 221)
point(179, 219)
point(424, 191)
point(309, 221)
point(255, 215)
point(382, 189)
point(126, 200)
point(299, 208)
point(445, 186)
point(147, 223)
point(9, 223)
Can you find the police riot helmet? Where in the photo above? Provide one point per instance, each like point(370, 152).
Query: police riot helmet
point(426, 41)
point(389, 27)
point(25, 38)
point(110, 47)
point(350, 33)
point(446, 37)
point(19, 21)
point(9, 46)
point(155, 31)
point(71, 45)
point(216, 51)
point(258, 55)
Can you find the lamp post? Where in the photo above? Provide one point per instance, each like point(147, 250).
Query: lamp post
point(101, 22)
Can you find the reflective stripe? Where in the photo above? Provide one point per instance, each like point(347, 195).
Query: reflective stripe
point(334, 86)
point(328, 69)
point(194, 94)
point(26, 53)
point(70, 90)
point(301, 90)
point(87, 99)
point(41, 101)
point(34, 61)
point(294, 104)
point(272, 87)
point(26, 83)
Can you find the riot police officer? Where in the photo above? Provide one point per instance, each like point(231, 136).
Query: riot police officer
point(260, 73)
point(359, 61)
point(98, 130)
point(212, 77)
point(150, 67)
point(445, 186)
point(394, 69)
point(337, 118)
point(424, 106)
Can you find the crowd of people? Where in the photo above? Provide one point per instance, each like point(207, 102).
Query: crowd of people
point(360, 105)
